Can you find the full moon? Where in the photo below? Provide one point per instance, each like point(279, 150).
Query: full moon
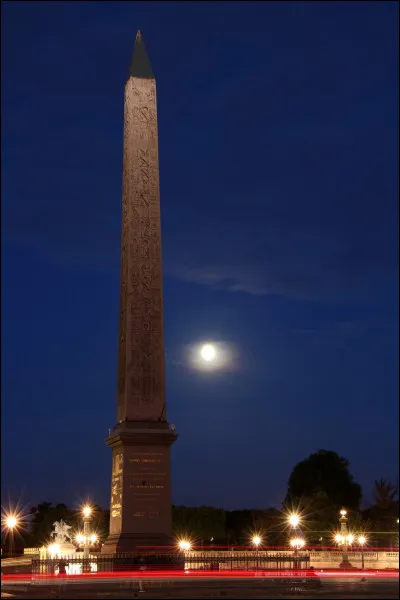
point(211, 356)
point(208, 352)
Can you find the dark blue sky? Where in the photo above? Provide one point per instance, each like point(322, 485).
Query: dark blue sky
point(278, 127)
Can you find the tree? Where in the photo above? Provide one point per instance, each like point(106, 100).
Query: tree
point(384, 493)
point(327, 472)
point(240, 524)
point(384, 513)
point(201, 524)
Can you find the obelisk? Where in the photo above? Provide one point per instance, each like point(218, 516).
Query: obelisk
point(141, 439)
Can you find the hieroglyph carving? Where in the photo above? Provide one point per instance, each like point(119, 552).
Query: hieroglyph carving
point(141, 347)
point(116, 492)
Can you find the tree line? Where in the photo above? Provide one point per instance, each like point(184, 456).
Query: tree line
point(318, 488)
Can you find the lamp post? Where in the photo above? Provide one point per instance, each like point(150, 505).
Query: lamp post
point(87, 514)
point(297, 544)
point(294, 522)
point(11, 524)
point(87, 539)
point(256, 542)
point(184, 546)
point(362, 541)
point(344, 539)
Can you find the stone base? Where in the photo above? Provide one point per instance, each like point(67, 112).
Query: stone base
point(117, 544)
point(346, 564)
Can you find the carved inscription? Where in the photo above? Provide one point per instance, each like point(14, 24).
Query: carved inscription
point(148, 482)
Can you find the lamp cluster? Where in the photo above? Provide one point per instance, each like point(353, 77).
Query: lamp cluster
point(350, 539)
point(83, 540)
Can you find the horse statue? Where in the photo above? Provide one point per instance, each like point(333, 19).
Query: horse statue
point(60, 532)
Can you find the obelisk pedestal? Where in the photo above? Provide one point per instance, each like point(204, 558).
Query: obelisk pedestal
point(141, 440)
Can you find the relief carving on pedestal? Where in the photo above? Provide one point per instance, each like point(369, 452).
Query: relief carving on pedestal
point(116, 492)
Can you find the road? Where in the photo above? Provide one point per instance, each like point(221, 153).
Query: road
point(154, 586)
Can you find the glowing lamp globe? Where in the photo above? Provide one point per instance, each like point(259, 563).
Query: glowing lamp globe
point(11, 522)
point(338, 538)
point(184, 545)
point(294, 520)
point(87, 511)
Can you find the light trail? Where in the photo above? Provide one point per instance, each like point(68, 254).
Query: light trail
point(193, 575)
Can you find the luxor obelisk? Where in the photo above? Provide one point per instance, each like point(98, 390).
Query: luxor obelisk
point(141, 439)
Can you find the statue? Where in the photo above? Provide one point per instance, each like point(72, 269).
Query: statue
point(60, 532)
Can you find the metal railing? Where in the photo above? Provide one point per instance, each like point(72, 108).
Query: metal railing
point(205, 561)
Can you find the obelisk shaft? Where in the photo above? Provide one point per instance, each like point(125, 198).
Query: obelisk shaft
point(140, 508)
point(141, 379)
point(141, 387)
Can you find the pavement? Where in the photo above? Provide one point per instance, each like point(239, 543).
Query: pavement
point(211, 586)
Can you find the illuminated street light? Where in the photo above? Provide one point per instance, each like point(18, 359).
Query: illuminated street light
point(87, 539)
point(362, 540)
point(184, 545)
point(87, 512)
point(344, 540)
point(294, 520)
point(11, 523)
point(339, 539)
point(297, 543)
point(256, 540)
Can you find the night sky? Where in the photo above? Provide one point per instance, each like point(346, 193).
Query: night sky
point(278, 132)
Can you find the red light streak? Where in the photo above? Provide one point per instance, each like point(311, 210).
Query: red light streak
point(173, 575)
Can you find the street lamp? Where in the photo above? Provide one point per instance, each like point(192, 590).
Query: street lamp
point(297, 544)
point(256, 542)
point(87, 539)
point(294, 520)
point(184, 545)
point(362, 540)
point(11, 523)
point(87, 514)
point(344, 539)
